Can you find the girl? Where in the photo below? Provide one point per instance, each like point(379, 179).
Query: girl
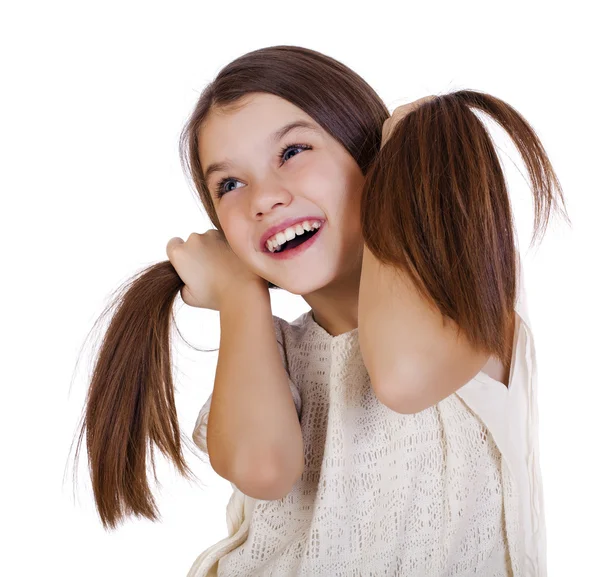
point(390, 430)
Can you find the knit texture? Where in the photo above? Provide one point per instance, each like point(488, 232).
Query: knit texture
point(383, 493)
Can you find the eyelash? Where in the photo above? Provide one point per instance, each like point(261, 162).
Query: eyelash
point(282, 152)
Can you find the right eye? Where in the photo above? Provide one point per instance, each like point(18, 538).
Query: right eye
point(220, 187)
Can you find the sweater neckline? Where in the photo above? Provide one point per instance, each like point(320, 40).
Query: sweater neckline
point(319, 330)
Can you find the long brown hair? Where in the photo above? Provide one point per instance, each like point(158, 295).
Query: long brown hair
point(435, 204)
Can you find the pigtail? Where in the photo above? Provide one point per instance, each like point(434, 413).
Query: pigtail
point(130, 403)
point(436, 206)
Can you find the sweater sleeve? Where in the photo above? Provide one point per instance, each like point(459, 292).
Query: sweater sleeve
point(200, 428)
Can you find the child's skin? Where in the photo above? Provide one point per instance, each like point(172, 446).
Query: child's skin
point(262, 190)
point(324, 181)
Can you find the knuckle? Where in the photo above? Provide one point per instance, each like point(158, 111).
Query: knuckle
point(173, 246)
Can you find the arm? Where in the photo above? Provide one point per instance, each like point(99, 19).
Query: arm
point(253, 434)
point(413, 360)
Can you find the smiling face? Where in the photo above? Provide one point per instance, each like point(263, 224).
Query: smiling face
point(314, 178)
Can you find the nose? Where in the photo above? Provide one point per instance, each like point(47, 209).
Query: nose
point(266, 197)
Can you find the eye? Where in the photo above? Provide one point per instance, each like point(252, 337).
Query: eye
point(222, 190)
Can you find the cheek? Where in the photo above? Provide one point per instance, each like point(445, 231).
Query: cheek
point(231, 232)
point(237, 243)
point(240, 238)
point(318, 174)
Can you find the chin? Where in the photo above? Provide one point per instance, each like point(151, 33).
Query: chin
point(301, 287)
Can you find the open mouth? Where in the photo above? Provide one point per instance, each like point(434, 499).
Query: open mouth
point(297, 240)
point(298, 244)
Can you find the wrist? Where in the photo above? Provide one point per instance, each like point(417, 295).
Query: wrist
point(240, 294)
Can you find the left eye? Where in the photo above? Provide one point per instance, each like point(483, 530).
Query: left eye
point(221, 190)
point(292, 147)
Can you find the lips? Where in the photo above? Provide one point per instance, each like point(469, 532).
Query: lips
point(282, 226)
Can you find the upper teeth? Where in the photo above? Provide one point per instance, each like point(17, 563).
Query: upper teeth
point(291, 232)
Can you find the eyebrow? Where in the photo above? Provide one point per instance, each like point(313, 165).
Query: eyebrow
point(275, 137)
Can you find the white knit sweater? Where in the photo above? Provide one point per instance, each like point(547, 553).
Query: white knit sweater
point(454, 490)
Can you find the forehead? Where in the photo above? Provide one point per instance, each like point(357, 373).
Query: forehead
point(256, 125)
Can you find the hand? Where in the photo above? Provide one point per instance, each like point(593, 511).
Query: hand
point(209, 269)
point(399, 113)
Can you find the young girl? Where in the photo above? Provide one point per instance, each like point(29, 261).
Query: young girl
point(390, 430)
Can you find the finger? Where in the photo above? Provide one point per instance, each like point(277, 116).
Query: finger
point(188, 298)
point(185, 295)
point(403, 110)
point(173, 243)
point(414, 105)
point(386, 129)
point(399, 113)
point(426, 99)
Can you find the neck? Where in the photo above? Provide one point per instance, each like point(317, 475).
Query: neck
point(335, 306)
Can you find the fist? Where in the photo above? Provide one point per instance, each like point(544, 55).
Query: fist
point(399, 113)
point(209, 269)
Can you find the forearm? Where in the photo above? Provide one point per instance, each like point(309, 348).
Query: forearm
point(253, 424)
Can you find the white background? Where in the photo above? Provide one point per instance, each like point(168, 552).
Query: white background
point(94, 97)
